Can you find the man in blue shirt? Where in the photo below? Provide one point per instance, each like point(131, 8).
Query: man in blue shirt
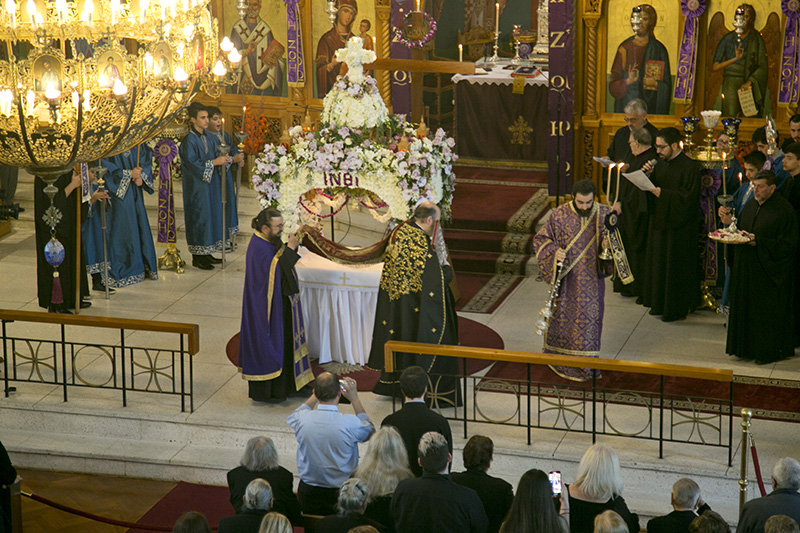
point(327, 442)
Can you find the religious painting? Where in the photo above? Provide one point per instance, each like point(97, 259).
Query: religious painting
point(47, 73)
point(352, 18)
point(642, 46)
point(162, 61)
point(261, 37)
point(110, 68)
point(198, 56)
point(743, 58)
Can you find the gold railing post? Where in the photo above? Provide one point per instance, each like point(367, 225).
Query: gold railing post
point(16, 506)
point(747, 414)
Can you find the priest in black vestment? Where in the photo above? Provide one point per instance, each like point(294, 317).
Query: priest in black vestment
point(635, 118)
point(66, 200)
point(761, 326)
point(632, 208)
point(672, 275)
point(415, 304)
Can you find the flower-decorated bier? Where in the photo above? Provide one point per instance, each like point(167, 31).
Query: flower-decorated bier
point(361, 153)
point(728, 236)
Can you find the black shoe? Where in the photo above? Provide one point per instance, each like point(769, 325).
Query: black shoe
point(672, 318)
point(85, 304)
point(202, 264)
point(213, 260)
point(59, 309)
point(99, 287)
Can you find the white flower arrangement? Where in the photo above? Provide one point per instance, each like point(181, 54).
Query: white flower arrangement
point(354, 104)
point(340, 159)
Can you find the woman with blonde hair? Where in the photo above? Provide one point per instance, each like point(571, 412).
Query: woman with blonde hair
point(597, 488)
point(383, 466)
point(275, 523)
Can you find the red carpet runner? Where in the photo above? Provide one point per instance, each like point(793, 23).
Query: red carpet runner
point(495, 213)
point(772, 399)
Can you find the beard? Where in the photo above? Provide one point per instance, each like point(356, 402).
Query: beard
point(583, 212)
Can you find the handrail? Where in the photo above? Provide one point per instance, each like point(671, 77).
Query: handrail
point(191, 330)
point(493, 354)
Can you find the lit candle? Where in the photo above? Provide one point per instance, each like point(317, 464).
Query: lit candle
point(61, 8)
point(460, 52)
point(619, 171)
point(31, 8)
point(29, 101)
point(418, 5)
point(76, 100)
point(724, 168)
point(740, 179)
point(497, 18)
point(114, 12)
point(11, 7)
point(608, 185)
point(87, 101)
point(88, 12)
point(244, 116)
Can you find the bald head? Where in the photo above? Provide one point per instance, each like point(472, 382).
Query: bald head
point(426, 215)
point(326, 387)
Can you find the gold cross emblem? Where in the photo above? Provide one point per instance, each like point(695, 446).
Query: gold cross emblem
point(431, 295)
point(520, 131)
point(391, 332)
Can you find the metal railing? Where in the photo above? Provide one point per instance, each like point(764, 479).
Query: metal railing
point(69, 363)
point(589, 407)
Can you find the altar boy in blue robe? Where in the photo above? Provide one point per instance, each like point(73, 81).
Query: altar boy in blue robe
point(130, 241)
point(92, 230)
point(216, 134)
point(198, 159)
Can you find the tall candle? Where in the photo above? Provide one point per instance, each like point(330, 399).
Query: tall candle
point(724, 168)
point(418, 5)
point(608, 185)
point(497, 18)
point(619, 171)
point(740, 179)
point(460, 52)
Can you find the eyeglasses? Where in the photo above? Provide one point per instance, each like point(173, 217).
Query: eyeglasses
point(660, 147)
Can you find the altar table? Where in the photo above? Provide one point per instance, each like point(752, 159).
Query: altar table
point(493, 123)
point(339, 304)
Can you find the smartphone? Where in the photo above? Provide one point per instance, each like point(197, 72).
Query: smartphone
point(555, 481)
point(342, 385)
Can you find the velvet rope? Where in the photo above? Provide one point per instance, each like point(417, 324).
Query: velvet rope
point(757, 467)
point(97, 518)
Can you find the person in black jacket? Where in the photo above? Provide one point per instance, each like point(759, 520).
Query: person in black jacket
point(433, 503)
point(260, 460)
point(8, 475)
point(415, 418)
point(685, 501)
point(784, 498)
point(495, 493)
point(257, 503)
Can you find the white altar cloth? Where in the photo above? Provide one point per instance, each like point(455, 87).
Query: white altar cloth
point(339, 304)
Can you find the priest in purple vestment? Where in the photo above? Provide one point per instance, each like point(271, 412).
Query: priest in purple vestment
point(572, 237)
point(273, 357)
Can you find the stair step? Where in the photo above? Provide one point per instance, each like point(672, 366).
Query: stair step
point(489, 262)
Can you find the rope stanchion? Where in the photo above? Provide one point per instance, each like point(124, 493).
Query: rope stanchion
point(746, 415)
point(757, 467)
point(97, 518)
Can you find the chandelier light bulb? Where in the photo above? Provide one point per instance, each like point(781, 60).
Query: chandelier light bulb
point(148, 61)
point(51, 93)
point(11, 7)
point(114, 12)
point(30, 100)
point(188, 31)
point(180, 75)
point(88, 11)
point(87, 101)
point(234, 56)
point(226, 45)
point(219, 69)
point(143, 5)
point(120, 89)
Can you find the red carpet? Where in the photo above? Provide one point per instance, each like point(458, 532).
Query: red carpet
point(768, 398)
point(212, 501)
point(494, 217)
point(470, 333)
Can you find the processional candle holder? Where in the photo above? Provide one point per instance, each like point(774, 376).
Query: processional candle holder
point(689, 127)
point(731, 126)
point(710, 121)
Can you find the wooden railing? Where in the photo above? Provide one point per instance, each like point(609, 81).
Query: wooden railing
point(127, 366)
point(695, 412)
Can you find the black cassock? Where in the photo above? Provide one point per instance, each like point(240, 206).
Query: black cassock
point(66, 232)
point(633, 224)
point(672, 274)
point(761, 324)
point(415, 304)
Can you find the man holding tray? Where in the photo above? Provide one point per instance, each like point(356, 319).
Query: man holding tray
point(762, 325)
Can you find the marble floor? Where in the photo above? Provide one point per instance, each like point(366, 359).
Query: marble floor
point(153, 438)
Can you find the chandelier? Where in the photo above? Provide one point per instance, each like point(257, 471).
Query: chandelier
point(100, 77)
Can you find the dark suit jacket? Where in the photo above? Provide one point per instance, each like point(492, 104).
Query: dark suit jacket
point(674, 522)
point(756, 512)
point(248, 521)
point(413, 420)
point(7, 477)
point(281, 481)
point(495, 493)
point(434, 504)
point(619, 149)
